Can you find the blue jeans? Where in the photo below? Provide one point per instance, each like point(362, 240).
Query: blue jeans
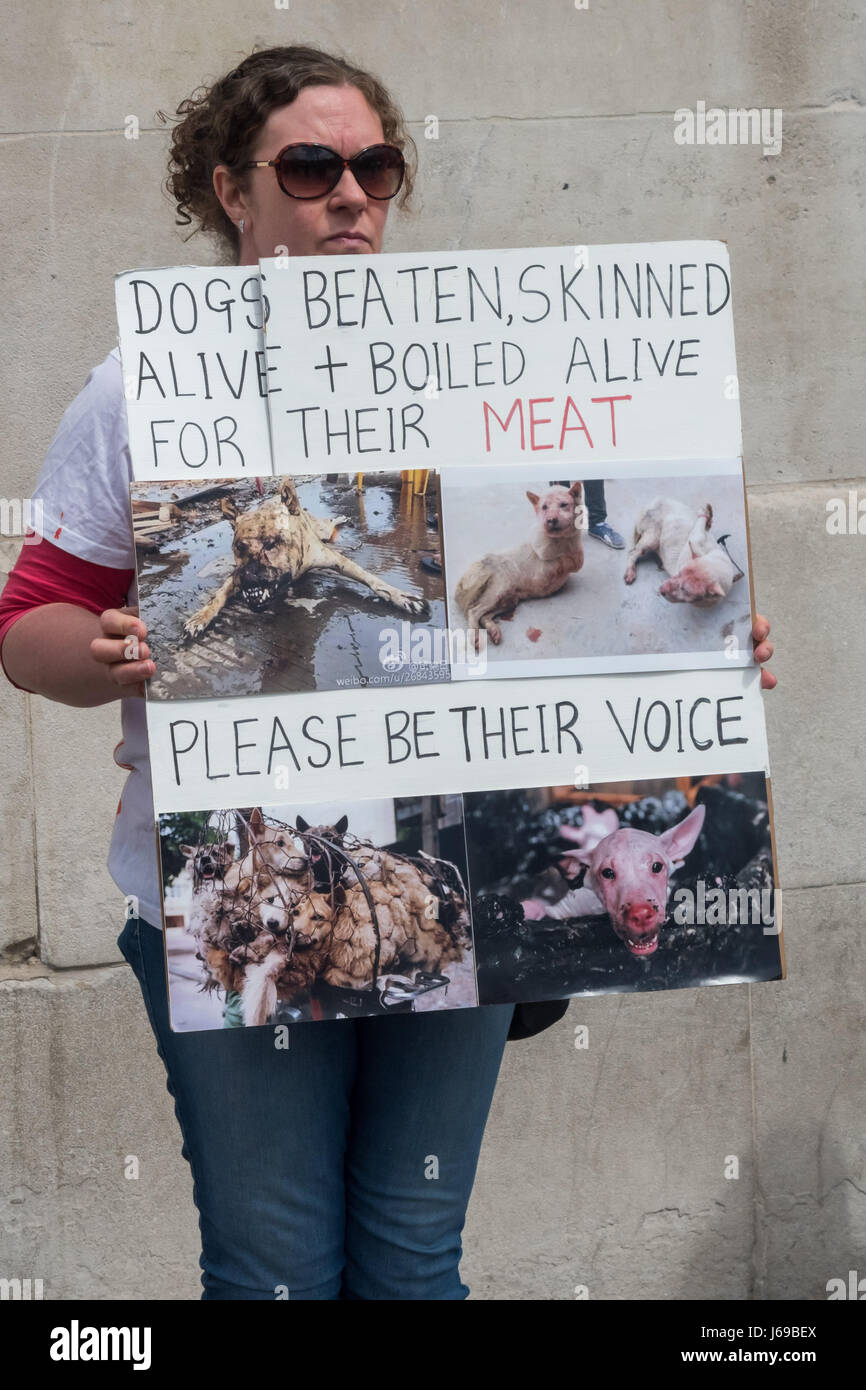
point(340, 1167)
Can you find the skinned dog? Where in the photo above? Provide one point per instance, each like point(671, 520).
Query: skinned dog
point(699, 570)
point(627, 876)
point(273, 545)
point(495, 584)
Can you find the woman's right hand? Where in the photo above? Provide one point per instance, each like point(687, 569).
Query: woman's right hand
point(123, 651)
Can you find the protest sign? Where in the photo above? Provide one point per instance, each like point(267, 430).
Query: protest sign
point(418, 739)
point(195, 376)
point(586, 353)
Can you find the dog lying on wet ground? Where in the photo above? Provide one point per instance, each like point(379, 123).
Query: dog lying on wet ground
point(273, 545)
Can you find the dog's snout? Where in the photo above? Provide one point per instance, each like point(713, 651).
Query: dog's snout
point(641, 914)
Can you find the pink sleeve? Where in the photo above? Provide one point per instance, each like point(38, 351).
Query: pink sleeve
point(43, 573)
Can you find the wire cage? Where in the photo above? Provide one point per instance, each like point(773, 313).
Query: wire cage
point(303, 897)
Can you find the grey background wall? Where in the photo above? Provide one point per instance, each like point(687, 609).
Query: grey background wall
point(602, 1167)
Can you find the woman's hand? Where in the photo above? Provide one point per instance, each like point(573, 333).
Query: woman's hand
point(763, 649)
point(123, 651)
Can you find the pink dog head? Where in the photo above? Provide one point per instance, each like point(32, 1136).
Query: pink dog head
point(556, 510)
point(702, 580)
point(628, 872)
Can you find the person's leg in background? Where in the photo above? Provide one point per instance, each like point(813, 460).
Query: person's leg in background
point(264, 1131)
point(419, 1107)
point(596, 508)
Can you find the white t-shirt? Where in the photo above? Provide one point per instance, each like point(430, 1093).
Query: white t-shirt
point(84, 491)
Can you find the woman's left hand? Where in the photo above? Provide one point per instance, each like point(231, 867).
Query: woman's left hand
point(763, 650)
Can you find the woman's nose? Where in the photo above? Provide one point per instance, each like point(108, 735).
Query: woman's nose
point(349, 191)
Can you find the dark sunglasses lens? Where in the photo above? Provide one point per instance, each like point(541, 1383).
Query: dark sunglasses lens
point(379, 171)
point(308, 171)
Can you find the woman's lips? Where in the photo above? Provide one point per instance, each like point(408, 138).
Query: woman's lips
point(349, 239)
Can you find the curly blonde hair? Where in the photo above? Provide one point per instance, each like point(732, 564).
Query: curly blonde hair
point(219, 124)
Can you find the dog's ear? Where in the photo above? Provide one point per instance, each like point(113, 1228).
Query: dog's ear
point(679, 841)
point(188, 851)
point(342, 825)
point(289, 497)
point(533, 497)
point(694, 552)
point(301, 824)
point(257, 824)
point(576, 491)
point(229, 509)
point(244, 885)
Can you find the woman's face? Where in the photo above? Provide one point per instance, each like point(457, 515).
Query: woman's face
point(341, 118)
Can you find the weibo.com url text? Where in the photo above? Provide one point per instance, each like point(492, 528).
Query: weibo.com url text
point(407, 675)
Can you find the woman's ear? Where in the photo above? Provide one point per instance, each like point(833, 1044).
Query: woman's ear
point(230, 194)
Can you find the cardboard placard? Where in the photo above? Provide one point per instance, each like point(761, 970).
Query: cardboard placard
point(418, 738)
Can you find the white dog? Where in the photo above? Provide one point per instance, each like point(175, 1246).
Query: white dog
point(699, 570)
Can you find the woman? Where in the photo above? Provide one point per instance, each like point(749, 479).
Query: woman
point(339, 1168)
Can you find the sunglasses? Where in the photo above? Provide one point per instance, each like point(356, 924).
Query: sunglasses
point(311, 171)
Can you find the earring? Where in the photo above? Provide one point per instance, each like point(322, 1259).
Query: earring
point(241, 225)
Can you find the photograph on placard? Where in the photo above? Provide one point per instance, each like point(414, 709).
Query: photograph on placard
point(295, 913)
point(559, 576)
point(290, 583)
point(624, 886)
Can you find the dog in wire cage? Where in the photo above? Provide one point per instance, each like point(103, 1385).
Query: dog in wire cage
point(293, 916)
